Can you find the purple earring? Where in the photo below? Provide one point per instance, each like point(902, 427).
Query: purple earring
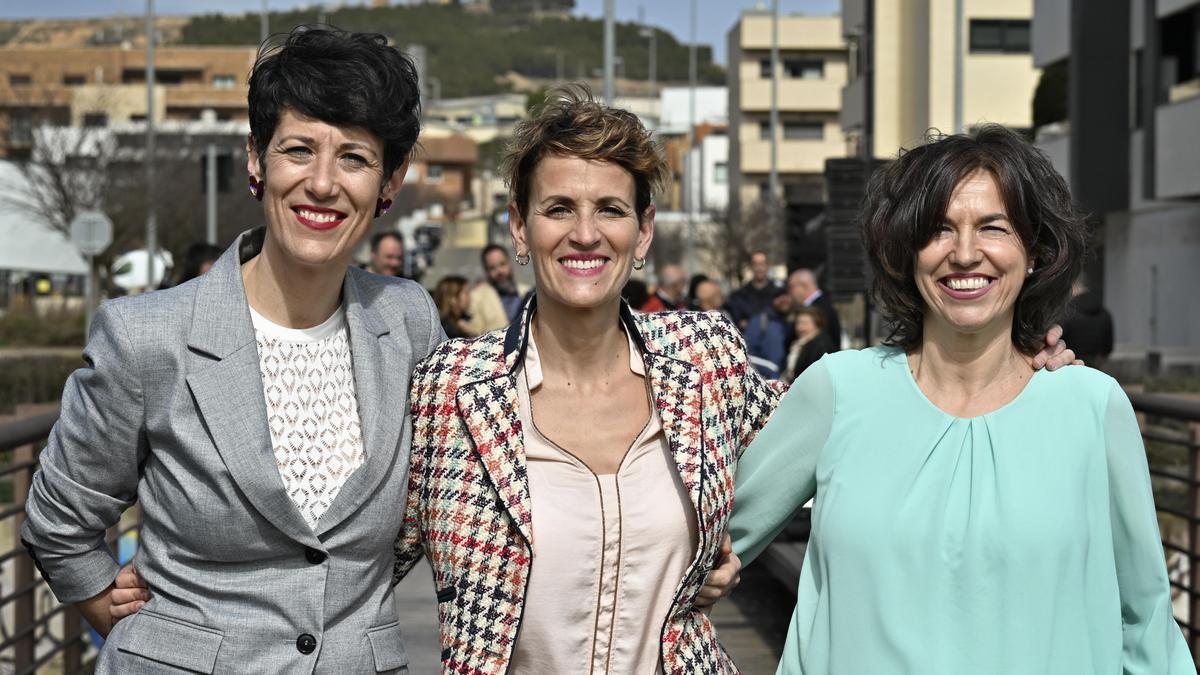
point(256, 189)
point(381, 206)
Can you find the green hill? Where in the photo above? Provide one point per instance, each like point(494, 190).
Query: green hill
point(467, 50)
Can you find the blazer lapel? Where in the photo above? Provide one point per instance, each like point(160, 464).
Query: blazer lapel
point(381, 370)
point(229, 394)
point(490, 411)
point(677, 397)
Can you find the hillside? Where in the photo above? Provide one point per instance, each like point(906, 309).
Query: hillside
point(470, 52)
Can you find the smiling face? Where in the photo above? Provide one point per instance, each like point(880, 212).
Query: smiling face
point(322, 183)
point(582, 231)
point(972, 270)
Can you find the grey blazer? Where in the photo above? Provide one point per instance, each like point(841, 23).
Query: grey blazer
point(170, 412)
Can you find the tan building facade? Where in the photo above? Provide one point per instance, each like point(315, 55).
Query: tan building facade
point(99, 86)
point(813, 69)
point(914, 52)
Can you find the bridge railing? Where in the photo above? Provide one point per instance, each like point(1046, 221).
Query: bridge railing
point(1171, 430)
point(37, 633)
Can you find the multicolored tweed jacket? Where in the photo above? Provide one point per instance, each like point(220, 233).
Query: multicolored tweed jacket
point(468, 502)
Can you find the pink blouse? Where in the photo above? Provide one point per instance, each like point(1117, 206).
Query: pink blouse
point(609, 550)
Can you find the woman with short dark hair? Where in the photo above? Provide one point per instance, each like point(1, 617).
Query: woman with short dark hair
point(257, 413)
point(972, 514)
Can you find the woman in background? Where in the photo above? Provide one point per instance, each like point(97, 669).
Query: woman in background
point(452, 296)
point(810, 345)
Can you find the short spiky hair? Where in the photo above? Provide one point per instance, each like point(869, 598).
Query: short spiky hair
point(572, 123)
point(341, 78)
point(907, 201)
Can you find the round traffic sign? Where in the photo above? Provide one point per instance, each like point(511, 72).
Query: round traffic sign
point(91, 232)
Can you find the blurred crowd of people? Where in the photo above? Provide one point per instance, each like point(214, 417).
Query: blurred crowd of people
point(787, 327)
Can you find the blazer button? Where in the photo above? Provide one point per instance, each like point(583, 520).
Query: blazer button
point(315, 556)
point(306, 644)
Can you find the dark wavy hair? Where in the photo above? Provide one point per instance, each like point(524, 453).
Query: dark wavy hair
point(572, 123)
point(906, 202)
point(341, 78)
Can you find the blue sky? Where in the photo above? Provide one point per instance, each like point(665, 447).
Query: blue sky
point(714, 19)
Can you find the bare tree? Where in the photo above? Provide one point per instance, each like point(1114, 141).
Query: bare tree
point(734, 237)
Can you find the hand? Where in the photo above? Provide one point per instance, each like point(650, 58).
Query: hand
point(1055, 355)
point(722, 579)
point(96, 611)
point(129, 593)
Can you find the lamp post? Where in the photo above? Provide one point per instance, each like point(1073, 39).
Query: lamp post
point(610, 49)
point(151, 220)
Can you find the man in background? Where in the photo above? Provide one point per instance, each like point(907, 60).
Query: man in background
point(1089, 326)
point(756, 296)
point(669, 295)
point(802, 286)
point(387, 254)
point(497, 267)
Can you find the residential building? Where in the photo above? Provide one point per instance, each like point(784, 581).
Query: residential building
point(440, 176)
point(707, 170)
point(99, 86)
point(812, 69)
point(913, 71)
point(482, 118)
point(675, 114)
point(1133, 160)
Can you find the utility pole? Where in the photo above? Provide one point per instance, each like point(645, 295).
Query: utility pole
point(652, 57)
point(958, 66)
point(773, 177)
point(210, 184)
point(264, 28)
point(610, 49)
point(151, 191)
point(691, 138)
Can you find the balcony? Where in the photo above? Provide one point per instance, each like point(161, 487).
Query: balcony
point(794, 95)
point(1177, 150)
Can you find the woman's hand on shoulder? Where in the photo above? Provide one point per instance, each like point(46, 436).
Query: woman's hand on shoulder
point(723, 578)
point(1056, 354)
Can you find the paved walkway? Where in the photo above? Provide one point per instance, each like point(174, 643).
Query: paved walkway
point(752, 624)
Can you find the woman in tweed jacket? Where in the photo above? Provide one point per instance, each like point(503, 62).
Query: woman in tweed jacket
point(604, 575)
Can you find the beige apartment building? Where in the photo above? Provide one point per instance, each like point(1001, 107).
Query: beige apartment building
point(100, 86)
point(913, 71)
point(813, 69)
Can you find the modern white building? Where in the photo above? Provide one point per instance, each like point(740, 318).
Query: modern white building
point(1119, 114)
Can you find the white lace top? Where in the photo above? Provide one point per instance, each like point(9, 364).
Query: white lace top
point(312, 410)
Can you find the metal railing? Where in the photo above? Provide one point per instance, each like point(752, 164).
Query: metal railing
point(1171, 431)
point(36, 632)
point(1170, 427)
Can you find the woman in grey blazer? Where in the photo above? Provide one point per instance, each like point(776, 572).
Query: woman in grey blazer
point(257, 413)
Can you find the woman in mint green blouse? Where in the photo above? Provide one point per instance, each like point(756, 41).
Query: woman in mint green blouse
point(971, 515)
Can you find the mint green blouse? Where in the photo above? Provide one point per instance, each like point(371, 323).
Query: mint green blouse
point(1020, 541)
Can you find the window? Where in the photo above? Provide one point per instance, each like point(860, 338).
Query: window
point(803, 131)
point(720, 173)
point(95, 119)
point(764, 131)
point(20, 79)
point(1179, 64)
point(224, 81)
point(798, 69)
point(434, 173)
point(764, 69)
point(20, 128)
point(71, 80)
point(999, 36)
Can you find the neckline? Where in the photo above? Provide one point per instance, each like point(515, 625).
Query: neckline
point(327, 328)
point(901, 359)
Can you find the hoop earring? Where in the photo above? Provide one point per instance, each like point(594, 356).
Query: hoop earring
point(639, 263)
point(382, 206)
point(256, 189)
point(522, 259)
